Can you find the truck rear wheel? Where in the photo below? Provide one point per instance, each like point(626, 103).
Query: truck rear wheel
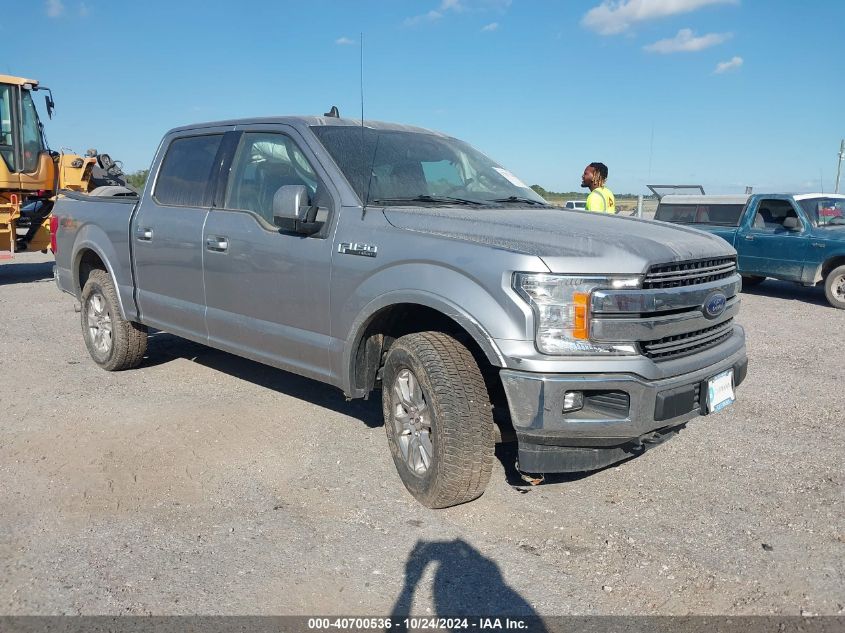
point(113, 342)
point(438, 419)
point(834, 287)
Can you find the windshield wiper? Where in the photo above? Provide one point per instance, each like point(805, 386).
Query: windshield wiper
point(522, 200)
point(430, 199)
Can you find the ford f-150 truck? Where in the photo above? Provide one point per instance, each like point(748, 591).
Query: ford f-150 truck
point(798, 237)
point(374, 255)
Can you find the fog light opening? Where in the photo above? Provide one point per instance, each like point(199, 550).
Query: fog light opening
point(573, 401)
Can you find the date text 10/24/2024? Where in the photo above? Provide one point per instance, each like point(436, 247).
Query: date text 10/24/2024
point(415, 623)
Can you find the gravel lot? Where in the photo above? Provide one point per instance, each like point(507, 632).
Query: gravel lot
point(204, 483)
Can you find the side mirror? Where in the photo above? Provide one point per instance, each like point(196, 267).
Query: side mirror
point(792, 224)
point(290, 203)
point(48, 100)
point(292, 210)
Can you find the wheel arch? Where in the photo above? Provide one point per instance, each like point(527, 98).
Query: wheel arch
point(829, 264)
point(89, 257)
point(392, 316)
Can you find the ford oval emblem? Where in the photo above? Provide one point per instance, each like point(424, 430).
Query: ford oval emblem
point(715, 305)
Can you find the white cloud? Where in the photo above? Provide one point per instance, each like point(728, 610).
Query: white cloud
point(687, 42)
point(617, 16)
point(431, 16)
point(55, 8)
point(493, 26)
point(458, 6)
point(733, 64)
point(344, 41)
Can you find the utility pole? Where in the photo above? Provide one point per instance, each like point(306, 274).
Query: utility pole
point(839, 164)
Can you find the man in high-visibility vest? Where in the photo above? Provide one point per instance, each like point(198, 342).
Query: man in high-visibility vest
point(600, 199)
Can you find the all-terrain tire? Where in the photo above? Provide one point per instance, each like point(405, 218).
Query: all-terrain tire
point(113, 342)
point(834, 287)
point(454, 412)
point(749, 281)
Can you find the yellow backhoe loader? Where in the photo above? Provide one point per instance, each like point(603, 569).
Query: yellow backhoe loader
point(31, 175)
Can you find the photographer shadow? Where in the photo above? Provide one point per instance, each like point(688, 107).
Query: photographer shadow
point(466, 584)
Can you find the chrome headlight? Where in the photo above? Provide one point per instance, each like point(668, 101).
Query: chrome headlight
point(561, 305)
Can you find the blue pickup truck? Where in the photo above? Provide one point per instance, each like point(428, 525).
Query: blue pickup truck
point(798, 237)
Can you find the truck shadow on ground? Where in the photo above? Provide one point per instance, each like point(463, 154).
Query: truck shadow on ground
point(164, 347)
point(788, 290)
point(19, 273)
point(466, 583)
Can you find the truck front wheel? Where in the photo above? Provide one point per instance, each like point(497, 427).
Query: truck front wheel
point(834, 287)
point(438, 419)
point(113, 342)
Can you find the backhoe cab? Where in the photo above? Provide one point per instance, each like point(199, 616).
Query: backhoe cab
point(31, 175)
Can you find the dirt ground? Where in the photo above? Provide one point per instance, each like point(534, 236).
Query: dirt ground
point(202, 483)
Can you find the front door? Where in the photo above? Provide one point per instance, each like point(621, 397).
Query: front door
point(166, 235)
point(770, 249)
point(267, 289)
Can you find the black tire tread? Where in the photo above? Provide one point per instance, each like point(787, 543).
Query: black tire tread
point(828, 290)
point(129, 340)
point(462, 407)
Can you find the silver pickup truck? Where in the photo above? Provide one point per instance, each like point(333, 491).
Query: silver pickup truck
point(385, 256)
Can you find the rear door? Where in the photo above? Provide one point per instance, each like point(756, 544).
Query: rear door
point(166, 233)
point(267, 289)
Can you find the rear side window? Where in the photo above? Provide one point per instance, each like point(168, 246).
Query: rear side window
point(681, 213)
point(723, 214)
point(186, 171)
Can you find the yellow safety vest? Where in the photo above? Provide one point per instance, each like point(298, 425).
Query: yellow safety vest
point(601, 200)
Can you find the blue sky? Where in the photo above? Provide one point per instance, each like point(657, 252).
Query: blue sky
point(726, 93)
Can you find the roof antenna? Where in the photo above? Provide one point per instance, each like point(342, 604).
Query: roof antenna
point(363, 161)
point(334, 113)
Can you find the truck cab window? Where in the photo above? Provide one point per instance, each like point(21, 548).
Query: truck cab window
point(263, 163)
point(186, 171)
point(33, 141)
point(772, 213)
point(7, 150)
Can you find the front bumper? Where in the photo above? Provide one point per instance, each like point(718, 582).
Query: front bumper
point(622, 412)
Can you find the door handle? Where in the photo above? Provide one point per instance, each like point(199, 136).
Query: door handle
point(144, 234)
point(750, 238)
point(818, 245)
point(217, 243)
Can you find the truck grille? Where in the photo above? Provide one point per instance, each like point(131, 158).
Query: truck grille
point(689, 273)
point(689, 343)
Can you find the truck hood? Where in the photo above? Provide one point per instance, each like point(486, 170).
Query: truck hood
point(567, 241)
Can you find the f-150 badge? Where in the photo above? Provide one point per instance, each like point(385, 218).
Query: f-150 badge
point(353, 248)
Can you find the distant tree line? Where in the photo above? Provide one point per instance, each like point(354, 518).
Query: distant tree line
point(137, 178)
point(576, 195)
point(558, 194)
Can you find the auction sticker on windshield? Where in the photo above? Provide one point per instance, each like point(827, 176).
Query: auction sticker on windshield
point(511, 178)
point(720, 391)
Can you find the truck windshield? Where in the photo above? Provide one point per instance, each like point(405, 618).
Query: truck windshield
point(404, 167)
point(825, 211)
